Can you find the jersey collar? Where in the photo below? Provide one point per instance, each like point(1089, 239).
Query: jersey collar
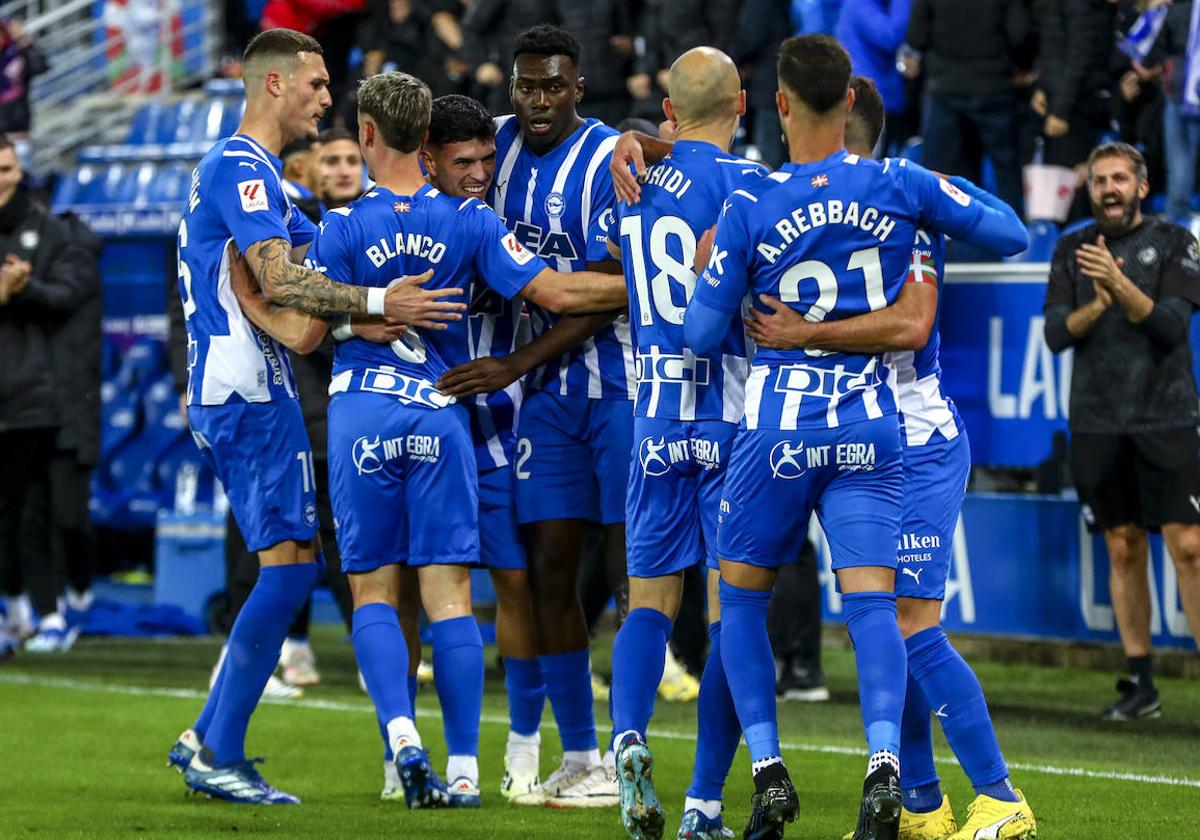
point(816, 165)
point(426, 189)
point(686, 147)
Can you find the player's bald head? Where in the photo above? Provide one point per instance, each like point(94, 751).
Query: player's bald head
point(703, 87)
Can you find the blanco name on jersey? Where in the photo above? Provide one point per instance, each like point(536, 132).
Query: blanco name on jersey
point(412, 244)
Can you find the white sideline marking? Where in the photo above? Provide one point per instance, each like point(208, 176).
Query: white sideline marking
point(498, 720)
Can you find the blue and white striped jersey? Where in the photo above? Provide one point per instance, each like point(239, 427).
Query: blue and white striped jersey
point(236, 196)
point(916, 376)
point(382, 237)
point(492, 331)
point(559, 205)
point(831, 238)
point(681, 199)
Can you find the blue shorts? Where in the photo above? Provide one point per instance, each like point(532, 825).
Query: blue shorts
point(499, 545)
point(935, 480)
point(261, 454)
point(675, 494)
point(852, 476)
point(573, 458)
point(403, 483)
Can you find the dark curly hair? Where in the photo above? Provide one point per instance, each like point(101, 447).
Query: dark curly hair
point(456, 119)
point(545, 39)
point(816, 69)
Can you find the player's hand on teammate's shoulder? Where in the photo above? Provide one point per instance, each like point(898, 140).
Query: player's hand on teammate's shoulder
point(783, 328)
point(485, 375)
point(408, 302)
point(627, 152)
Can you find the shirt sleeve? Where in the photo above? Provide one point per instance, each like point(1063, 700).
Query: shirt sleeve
point(943, 207)
point(251, 203)
point(1181, 277)
point(1060, 298)
point(602, 218)
point(301, 230)
point(329, 253)
point(724, 282)
point(503, 263)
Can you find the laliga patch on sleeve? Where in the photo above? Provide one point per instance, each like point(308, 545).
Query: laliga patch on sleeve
point(519, 254)
point(253, 195)
point(954, 192)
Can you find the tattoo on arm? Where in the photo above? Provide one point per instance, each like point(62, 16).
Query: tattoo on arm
point(288, 284)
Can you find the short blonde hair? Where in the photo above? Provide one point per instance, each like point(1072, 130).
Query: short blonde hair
point(399, 104)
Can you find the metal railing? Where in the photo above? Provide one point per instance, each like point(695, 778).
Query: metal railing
point(163, 45)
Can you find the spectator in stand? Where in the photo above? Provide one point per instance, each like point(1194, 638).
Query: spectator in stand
point(1122, 292)
point(754, 47)
point(418, 38)
point(1138, 95)
point(668, 28)
point(20, 61)
point(333, 22)
point(970, 110)
point(1075, 81)
point(41, 286)
point(872, 32)
point(1181, 122)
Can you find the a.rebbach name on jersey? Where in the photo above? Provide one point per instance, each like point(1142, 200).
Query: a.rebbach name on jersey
point(916, 376)
point(831, 239)
point(382, 237)
point(681, 198)
point(237, 195)
point(559, 205)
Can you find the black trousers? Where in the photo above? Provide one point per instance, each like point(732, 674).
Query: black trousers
point(794, 618)
point(26, 563)
point(241, 565)
point(72, 543)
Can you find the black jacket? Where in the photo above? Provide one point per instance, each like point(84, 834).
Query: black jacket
point(755, 47)
point(57, 288)
point(969, 48)
point(76, 348)
point(1075, 60)
point(669, 28)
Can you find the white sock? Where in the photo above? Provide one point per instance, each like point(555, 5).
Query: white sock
point(610, 761)
point(458, 766)
point(581, 759)
point(80, 601)
point(881, 758)
point(523, 745)
point(711, 808)
point(764, 763)
point(621, 736)
point(402, 732)
point(53, 621)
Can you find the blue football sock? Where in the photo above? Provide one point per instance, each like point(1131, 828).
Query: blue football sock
point(639, 653)
point(879, 656)
point(568, 679)
point(210, 705)
point(953, 693)
point(254, 645)
point(922, 792)
point(526, 694)
point(717, 727)
point(383, 659)
point(458, 677)
point(412, 696)
point(750, 667)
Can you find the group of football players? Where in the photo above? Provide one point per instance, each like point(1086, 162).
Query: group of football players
point(540, 324)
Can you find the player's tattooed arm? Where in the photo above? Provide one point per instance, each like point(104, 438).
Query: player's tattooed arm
point(405, 301)
point(296, 330)
point(904, 325)
point(578, 293)
point(489, 374)
point(634, 149)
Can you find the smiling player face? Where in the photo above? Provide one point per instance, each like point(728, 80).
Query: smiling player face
point(462, 170)
point(545, 90)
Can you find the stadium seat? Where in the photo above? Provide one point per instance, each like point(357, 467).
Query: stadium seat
point(171, 183)
point(1078, 224)
point(1042, 236)
point(912, 149)
point(184, 112)
point(232, 116)
point(144, 128)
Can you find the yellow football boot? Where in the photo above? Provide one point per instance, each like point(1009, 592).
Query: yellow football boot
point(934, 825)
point(992, 819)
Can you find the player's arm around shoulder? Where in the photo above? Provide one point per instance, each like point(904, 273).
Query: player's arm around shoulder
point(298, 331)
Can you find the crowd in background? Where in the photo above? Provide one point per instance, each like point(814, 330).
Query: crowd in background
point(1010, 81)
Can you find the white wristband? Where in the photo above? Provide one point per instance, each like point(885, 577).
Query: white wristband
point(342, 331)
point(375, 298)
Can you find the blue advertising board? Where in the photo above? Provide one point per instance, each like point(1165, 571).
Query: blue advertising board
point(1012, 392)
point(1025, 566)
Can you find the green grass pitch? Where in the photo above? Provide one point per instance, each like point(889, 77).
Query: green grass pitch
point(83, 742)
